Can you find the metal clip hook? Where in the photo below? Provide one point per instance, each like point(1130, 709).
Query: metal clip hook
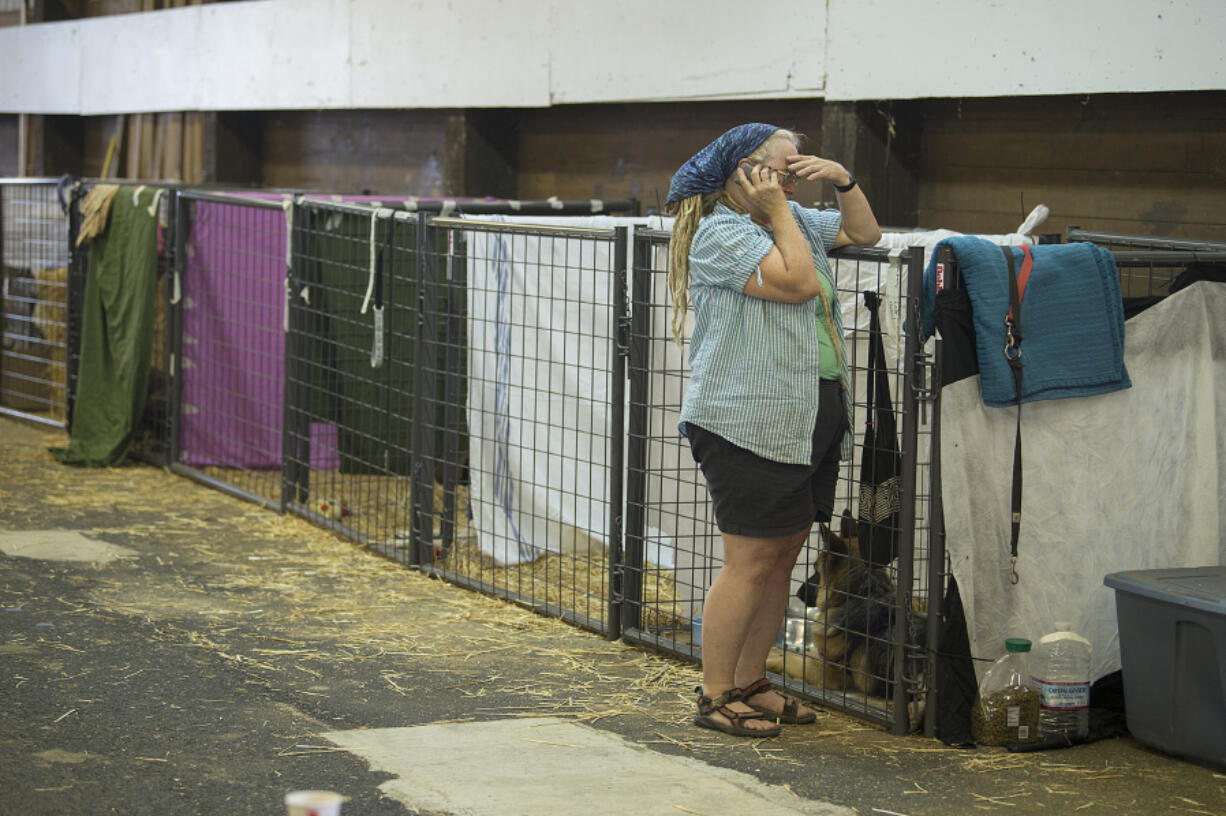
point(1013, 349)
point(1013, 576)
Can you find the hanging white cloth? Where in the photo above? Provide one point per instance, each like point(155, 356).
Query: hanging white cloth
point(1123, 481)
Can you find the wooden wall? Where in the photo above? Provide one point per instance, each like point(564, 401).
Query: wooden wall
point(632, 150)
point(50, 142)
point(573, 152)
point(392, 152)
point(143, 143)
point(401, 152)
point(1147, 164)
point(1136, 163)
point(96, 132)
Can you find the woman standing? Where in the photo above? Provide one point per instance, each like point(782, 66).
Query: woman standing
point(766, 409)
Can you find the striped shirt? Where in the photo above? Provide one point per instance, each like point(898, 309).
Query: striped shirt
point(754, 363)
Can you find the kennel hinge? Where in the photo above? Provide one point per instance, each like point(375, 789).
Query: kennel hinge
point(622, 338)
point(617, 592)
point(923, 382)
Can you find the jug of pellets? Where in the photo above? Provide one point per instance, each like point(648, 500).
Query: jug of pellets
point(1007, 710)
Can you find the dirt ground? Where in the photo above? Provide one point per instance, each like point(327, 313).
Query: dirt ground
point(196, 673)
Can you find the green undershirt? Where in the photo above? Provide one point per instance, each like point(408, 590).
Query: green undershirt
point(828, 368)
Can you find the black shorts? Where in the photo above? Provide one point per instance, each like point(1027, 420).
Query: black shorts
point(762, 498)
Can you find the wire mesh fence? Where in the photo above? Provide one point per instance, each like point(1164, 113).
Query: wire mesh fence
point(1150, 266)
point(494, 400)
point(1116, 241)
point(856, 640)
point(34, 301)
point(350, 379)
point(226, 304)
point(1147, 276)
point(490, 400)
point(528, 368)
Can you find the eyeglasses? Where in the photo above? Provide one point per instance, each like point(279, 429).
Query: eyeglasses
point(785, 176)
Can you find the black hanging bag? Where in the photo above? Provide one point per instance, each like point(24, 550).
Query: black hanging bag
point(879, 517)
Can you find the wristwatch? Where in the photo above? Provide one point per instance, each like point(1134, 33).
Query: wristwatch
point(851, 182)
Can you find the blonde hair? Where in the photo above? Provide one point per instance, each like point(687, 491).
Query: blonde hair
point(688, 212)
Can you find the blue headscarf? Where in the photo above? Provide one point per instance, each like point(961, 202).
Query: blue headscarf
point(708, 170)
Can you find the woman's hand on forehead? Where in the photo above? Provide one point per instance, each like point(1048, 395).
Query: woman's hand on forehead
point(815, 168)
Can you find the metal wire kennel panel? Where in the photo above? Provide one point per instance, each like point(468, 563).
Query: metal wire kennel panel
point(1147, 275)
point(353, 324)
point(228, 321)
point(1148, 264)
point(869, 663)
point(227, 343)
point(155, 430)
point(34, 301)
point(228, 336)
point(529, 380)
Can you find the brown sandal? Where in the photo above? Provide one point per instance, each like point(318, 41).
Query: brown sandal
point(736, 719)
point(790, 714)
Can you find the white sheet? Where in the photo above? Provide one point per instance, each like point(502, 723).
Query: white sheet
point(540, 356)
point(539, 321)
point(1123, 481)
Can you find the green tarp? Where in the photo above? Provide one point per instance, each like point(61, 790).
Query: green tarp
point(370, 406)
point(116, 333)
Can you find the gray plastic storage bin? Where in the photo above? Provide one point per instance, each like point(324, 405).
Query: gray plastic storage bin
point(1173, 650)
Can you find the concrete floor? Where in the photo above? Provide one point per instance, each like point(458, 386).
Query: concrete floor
point(165, 648)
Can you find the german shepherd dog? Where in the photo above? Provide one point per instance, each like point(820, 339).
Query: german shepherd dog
point(851, 620)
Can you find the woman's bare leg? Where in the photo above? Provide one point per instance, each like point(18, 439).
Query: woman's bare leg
point(765, 626)
point(739, 607)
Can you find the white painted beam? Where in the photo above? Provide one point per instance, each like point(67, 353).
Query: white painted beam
point(898, 49)
point(328, 54)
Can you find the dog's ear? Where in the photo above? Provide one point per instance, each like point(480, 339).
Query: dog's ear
point(832, 543)
point(848, 528)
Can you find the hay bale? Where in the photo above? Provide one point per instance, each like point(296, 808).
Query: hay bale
point(51, 318)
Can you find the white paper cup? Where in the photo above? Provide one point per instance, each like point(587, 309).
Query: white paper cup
point(313, 803)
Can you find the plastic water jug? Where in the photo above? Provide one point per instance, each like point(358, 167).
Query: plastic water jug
point(1061, 672)
point(1007, 710)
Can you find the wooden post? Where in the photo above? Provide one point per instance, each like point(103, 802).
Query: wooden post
point(173, 170)
point(30, 142)
point(480, 154)
point(879, 142)
point(148, 170)
point(206, 144)
point(132, 165)
point(158, 158)
point(193, 142)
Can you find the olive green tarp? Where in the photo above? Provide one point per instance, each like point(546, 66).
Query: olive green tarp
point(116, 333)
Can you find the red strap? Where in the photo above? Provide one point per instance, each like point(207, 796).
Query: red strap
point(1023, 275)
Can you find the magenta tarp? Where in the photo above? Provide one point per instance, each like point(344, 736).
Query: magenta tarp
point(233, 341)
